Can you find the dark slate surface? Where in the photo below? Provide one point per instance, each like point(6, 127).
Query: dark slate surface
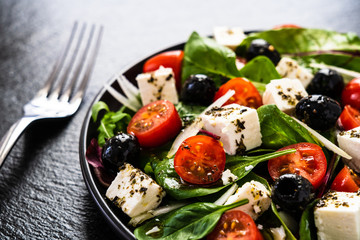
point(42, 192)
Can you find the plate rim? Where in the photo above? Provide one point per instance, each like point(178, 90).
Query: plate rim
point(117, 225)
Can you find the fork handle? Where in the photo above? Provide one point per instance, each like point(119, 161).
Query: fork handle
point(12, 135)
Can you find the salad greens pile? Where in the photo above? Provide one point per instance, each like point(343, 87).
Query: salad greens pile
point(204, 55)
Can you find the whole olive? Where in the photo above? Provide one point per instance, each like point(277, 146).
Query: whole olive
point(198, 89)
point(326, 82)
point(292, 192)
point(261, 47)
point(318, 112)
point(120, 148)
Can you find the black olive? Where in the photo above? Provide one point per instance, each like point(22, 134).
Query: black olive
point(318, 112)
point(326, 82)
point(198, 89)
point(262, 47)
point(120, 148)
point(292, 192)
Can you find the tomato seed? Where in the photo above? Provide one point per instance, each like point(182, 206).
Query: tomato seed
point(225, 226)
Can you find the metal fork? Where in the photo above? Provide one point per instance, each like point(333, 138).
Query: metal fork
point(62, 93)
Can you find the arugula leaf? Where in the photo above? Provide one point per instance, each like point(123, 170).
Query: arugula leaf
point(193, 221)
point(307, 225)
point(188, 113)
point(279, 130)
point(204, 55)
point(111, 122)
point(96, 108)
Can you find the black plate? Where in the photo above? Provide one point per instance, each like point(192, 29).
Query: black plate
point(117, 219)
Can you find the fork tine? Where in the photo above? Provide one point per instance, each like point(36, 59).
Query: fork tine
point(57, 91)
point(81, 89)
point(44, 91)
point(67, 93)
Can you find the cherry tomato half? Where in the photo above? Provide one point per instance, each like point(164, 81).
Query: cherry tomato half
point(351, 94)
point(289, 25)
point(344, 182)
point(349, 118)
point(246, 93)
point(308, 161)
point(200, 160)
point(171, 59)
point(155, 123)
point(235, 224)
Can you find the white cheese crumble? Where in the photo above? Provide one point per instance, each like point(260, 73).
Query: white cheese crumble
point(228, 177)
point(258, 196)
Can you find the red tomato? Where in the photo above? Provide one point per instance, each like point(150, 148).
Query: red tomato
point(351, 94)
point(344, 182)
point(171, 59)
point(308, 161)
point(155, 123)
point(235, 224)
point(349, 118)
point(200, 160)
point(286, 26)
point(246, 93)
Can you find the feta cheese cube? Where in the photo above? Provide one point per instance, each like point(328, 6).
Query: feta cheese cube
point(228, 177)
point(337, 216)
point(289, 68)
point(285, 93)
point(134, 192)
point(237, 126)
point(349, 141)
point(157, 85)
point(258, 196)
point(229, 37)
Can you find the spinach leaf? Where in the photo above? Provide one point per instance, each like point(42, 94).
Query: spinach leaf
point(193, 221)
point(111, 122)
point(349, 61)
point(242, 165)
point(167, 177)
point(260, 69)
point(204, 55)
point(322, 46)
point(305, 40)
point(307, 225)
point(279, 130)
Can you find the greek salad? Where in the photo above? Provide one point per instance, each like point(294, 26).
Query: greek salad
point(237, 136)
